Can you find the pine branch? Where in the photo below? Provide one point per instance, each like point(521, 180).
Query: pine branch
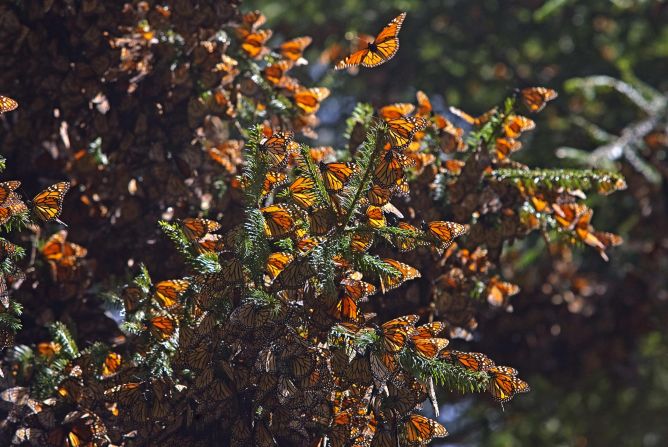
point(255, 167)
point(255, 247)
point(360, 116)
point(311, 171)
point(373, 265)
point(366, 163)
point(179, 239)
point(604, 182)
point(61, 335)
point(445, 374)
point(143, 279)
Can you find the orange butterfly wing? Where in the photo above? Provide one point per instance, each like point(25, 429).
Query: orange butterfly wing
point(419, 430)
point(48, 204)
point(293, 49)
point(535, 98)
point(6, 189)
point(7, 104)
point(396, 332)
point(302, 191)
point(446, 232)
point(382, 49)
point(167, 293)
point(396, 111)
point(309, 99)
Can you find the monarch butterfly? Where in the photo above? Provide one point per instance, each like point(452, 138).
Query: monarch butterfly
point(424, 107)
point(48, 350)
point(162, 327)
point(272, 180)
point(294, 276)
point(378, 51)
point(420, 430)
point(361, 241)
point(429, 347)
point(355, 287)
point(406, 242)
point(474, 121)
point(276, 148)
point(305, 245)
point(211, 243)
point(276, 263)
point(424, 341)
point(321, 221)
point(309, 99)
point(275, 73)
point(429, 330)
point(445, 232)
point(402, 188)
point(499, 291)
point(7, 104)
point(378, 195)
point(390, 169)
point(302, 191)
point(48, 204)
point(474, 361)
point(56, 247)
point(605, 240)
point(514, 125)
point(505, 147)
point(227, 154)
point(252, 20)
point(321, 153)
point(504, 383)
point(450, 136)
point(167, 293)
point(453, 166)
point(406, 272)
point(253, 42)
point(535, 98)
point(394, 333)
point(375, 217)
point(345, 308)
point(197, 228)
point(396, 111)
point(231, 271)
point(336, 175)
point(421, 160)
point(293, 49)
point(570, 215)
point(112, 363)
point(6, 189)
point(251, 316)
point(278, 221)
point(402, 130)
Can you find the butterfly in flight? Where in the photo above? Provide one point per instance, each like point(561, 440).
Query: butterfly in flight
point(380, 50)
point(48, 204)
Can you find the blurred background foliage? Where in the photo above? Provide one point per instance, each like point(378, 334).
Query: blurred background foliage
point(590, 337)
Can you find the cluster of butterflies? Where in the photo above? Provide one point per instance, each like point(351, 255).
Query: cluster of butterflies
point(568, 216)
point(45, 206)
point(289, 355)
point(275, 64)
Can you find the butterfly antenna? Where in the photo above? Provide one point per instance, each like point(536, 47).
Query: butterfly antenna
point(61, 222)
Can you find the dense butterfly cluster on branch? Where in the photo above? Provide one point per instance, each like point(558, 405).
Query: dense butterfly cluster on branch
point(320, 310)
